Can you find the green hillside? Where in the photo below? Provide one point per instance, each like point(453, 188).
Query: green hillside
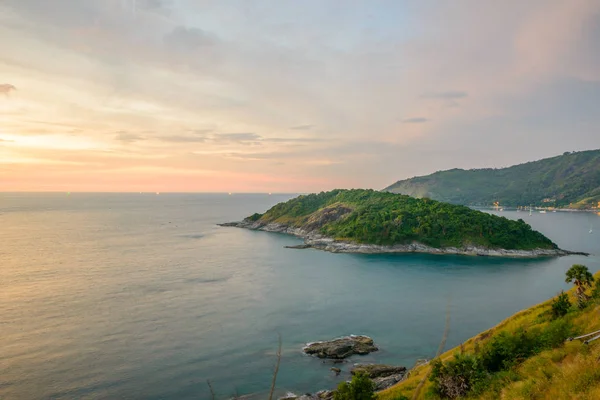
point(570, 180)
point(373, 217)
point(524, 357)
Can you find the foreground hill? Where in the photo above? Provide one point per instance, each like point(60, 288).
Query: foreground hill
point(571, 180)
point(369, 221)
point(524, 357)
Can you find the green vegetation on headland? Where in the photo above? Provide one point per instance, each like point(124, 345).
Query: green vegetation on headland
point(382, 218)
point(571, 180)
point(527, 356)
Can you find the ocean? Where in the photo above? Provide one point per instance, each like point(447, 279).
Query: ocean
point(143, 296)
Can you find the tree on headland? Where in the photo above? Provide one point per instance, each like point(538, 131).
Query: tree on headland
point(582, 278)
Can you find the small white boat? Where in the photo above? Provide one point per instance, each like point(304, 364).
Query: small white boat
point(543, 212)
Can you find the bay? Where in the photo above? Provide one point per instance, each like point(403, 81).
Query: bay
point(143, 296)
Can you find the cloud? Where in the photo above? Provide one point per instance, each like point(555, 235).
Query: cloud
point(127, 137)
point(201, 131)
point(302, 127)
point(293, 140)
point(184, 38)
point(416, 120)
point(6, 88)
point(289, 68)
point(159, 6)
point(256, 156)
point(449, 95)
point(237, 137)
point(182, 139)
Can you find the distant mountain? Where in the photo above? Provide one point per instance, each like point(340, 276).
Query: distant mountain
point(570, 180)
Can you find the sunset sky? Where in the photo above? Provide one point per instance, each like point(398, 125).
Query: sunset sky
point(288, 96)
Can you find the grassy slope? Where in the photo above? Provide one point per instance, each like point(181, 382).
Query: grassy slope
point(368, 216)
point(572, 178)
point(568, 372)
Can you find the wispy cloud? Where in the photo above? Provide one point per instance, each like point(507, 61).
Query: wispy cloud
point(242, 138)
point(294, 140)
point(127, 137)
point(182, 139)
point(184, 38)
point(6, 88)
point(302, 127)
point(449, 95)
point(416, 120)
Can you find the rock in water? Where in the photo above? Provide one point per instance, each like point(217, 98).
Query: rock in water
point(342, 347)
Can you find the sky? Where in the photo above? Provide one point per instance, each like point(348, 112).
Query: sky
point(288, 96)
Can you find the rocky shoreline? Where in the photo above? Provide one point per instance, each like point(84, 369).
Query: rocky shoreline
point(383, 377)
point(315, 240)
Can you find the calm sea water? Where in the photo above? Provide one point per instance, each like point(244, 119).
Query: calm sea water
point(141, 296)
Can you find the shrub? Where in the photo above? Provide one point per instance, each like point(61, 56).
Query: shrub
point(561, 305)
point(504, 350)
point(360, 388)
point(254, 217)
point(455, 378)
point(555, 334)
point(596, 290)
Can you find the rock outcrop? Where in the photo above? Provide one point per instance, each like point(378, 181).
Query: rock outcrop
point(384, 376)
point(342, 347)
point(320, 395)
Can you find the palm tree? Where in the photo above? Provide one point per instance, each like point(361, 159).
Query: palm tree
point(582, 278)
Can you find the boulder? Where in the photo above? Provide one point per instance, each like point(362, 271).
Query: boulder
point(342, 347)
point(378, 370)
point(384, 376)
point(321, 395)
point(324, 395)
point(387, 381)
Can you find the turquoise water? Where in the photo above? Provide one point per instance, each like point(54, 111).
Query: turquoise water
point(142, 296)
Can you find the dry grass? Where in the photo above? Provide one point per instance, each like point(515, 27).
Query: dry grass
point(568, 372)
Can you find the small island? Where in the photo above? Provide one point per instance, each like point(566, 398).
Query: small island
point(369, 221)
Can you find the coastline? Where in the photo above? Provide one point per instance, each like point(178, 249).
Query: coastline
point(320, 242)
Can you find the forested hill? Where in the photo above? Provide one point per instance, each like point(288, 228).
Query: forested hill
point(373, 217)
point(570, 180)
